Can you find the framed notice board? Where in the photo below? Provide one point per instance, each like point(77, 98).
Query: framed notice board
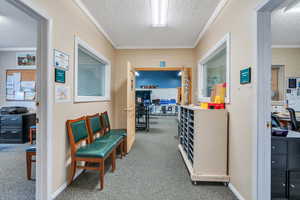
point(21, 85)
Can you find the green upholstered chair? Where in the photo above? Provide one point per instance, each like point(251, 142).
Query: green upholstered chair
point(107, 129)
point(96, 133)
point(83, 150)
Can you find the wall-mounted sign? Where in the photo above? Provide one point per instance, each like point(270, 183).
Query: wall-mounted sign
point(62, 93)
point(26, 59)
point(61, 60)
point(292, 83)
point(60, 76)
point(162, 63)
point(245, 76)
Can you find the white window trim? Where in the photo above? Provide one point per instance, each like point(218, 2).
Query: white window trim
point(213, 51)
point(107, 96)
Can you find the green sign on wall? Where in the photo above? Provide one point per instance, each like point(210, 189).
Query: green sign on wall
point(245, 76)
point(60, 76)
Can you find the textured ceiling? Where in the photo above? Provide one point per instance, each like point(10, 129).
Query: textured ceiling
point(128, 22)
point(286, 27)
point(16, 28)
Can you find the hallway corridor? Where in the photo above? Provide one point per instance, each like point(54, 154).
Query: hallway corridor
point(153, 170)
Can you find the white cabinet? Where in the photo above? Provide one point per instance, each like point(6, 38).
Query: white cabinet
point(203, 144)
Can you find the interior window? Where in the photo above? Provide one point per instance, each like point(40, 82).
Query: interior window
point(92, 75)
point(214, 72)
point(277, 83)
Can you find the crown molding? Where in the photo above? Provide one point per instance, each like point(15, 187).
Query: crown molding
point(90, 16)
point(18, 49)
point(211, 20)
point(153, 47)
point(285, 46)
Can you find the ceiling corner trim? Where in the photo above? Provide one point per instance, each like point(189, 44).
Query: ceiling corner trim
point(153, 47)
point(211, 20)
point(90, 16)
point(285, 46)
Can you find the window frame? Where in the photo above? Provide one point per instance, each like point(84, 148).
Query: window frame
point(101, 58)
point(201, 69)
point(283, 84)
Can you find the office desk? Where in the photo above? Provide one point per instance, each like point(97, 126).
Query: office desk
point(285, 119)
point(285, 166)
point(285, 116)
point(14, 128)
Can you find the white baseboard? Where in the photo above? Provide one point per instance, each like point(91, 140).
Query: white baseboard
point(235, 192)
point(64, 186)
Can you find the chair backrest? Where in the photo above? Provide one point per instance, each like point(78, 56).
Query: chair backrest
point(293, 119)
point(95, 126)
point(105, 120)
point(78, 132)
point(275, 122)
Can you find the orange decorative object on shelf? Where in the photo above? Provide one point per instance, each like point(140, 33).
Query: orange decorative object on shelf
point(216, 106)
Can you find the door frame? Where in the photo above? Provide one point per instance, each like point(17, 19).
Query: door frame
point(261, 183)
point(159, 68)
point(45, 98)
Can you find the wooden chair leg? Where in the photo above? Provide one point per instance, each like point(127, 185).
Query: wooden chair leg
point(28, 166)
point(121, 150)
point(101, 175)
point(125, 145)
point(30, 136)
point(113, 160)
point(73, 171)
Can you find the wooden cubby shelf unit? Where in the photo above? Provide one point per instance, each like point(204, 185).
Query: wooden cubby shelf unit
point(203, 143)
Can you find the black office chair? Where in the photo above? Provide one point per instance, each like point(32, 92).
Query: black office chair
point(275, 122)
point(164, 109)
point(294, 123)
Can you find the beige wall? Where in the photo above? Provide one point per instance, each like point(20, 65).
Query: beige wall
point(69, 21)
point(238, 18)
point(290, 58)
point(143, 58)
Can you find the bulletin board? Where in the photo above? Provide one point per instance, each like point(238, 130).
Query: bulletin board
point(293, 93)
point(21, 85)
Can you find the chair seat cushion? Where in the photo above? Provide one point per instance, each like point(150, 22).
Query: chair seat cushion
point(95, 150)
point(113, 139)
point(118, 132)
point(31, 149)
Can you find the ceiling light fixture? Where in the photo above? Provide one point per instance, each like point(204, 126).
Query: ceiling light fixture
point(293, 6)
point(159, 12)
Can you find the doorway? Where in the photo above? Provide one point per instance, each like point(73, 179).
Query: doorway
point(159, 93)
point(28, 84)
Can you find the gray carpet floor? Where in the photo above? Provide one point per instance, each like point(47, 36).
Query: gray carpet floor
point(153, 170)
point(13, 182)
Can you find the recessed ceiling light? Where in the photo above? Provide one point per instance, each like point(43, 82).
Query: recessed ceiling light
point(2, 18)
point(159, 12)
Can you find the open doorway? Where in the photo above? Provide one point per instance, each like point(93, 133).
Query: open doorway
point(285, 141)
point(18, 102)
point(159, 92)
point(25, 104)
point(277, 137)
